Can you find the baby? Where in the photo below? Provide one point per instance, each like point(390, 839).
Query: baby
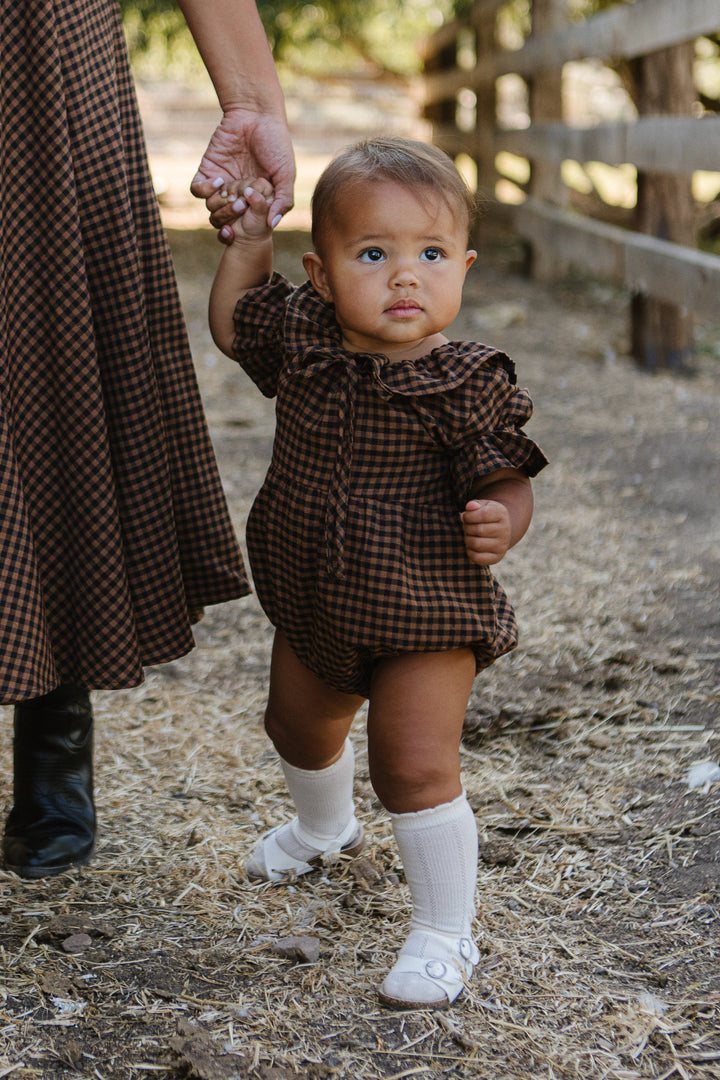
point(400, 475)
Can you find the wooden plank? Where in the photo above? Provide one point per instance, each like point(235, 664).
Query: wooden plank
point(446, 85)
point(483, 11)
point(485, 114)
point(670, 272)
point(445, 35)
point(558, 142)
point(578, 241)
point(674, 144)
point(622, 32)
point(455, 142)
point(664, 144)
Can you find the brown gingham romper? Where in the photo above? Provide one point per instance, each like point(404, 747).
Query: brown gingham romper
point(355, 539)
point(114, 531)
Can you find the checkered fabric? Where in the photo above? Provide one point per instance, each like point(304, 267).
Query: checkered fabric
point(355, 541)
point(114, 532)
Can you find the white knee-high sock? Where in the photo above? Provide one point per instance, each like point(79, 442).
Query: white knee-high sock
point(323, 799)
point(439, 852)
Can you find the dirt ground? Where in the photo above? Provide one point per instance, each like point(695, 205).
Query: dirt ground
point(599, 885)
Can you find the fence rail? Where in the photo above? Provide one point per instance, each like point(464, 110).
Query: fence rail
point(657, 260)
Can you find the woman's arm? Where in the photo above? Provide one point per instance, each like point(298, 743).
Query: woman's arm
point(252, 138)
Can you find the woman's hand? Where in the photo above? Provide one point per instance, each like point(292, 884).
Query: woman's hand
point(245, 145)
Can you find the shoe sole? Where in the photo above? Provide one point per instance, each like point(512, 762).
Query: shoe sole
point(316, 863)
point(415, 1006)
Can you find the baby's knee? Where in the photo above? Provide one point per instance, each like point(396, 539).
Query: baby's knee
point(403, 785)
point(276, 727)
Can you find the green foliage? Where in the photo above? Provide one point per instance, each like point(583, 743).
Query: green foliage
point(159, 40)
point(323, 36)
point(333, 33)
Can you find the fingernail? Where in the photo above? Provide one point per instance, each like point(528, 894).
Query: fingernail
point(276, 221)
point(226, 232)
point(218, 182)
point(249, 191)
point(239, 205)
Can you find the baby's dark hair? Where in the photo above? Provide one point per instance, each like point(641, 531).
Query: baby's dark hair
point(416, 165)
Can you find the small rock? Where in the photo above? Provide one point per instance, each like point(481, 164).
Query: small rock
point(304, 949)
point(364, 871)
point(62, 926)
point(76, 943)
point(498, 853)
point(70, 1053)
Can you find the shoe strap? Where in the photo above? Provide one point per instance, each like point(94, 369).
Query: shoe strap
point(333, 846)
point(448, 975)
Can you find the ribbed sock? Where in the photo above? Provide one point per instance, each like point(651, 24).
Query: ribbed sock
point(323, 799)
point(439, 852)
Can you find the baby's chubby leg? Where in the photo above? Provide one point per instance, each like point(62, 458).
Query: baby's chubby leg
point(308, 723)
point(415, 721)
point(417, 708)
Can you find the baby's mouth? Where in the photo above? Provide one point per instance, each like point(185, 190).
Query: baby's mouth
point(405, 305)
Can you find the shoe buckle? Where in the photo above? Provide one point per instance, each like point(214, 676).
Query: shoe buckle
point(465, 946)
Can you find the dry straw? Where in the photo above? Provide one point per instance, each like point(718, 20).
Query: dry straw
point(598, 883)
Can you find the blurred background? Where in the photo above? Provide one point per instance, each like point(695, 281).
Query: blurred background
point(347, 69)
point(352, 69)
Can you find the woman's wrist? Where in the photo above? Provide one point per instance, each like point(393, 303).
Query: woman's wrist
point(233, 45)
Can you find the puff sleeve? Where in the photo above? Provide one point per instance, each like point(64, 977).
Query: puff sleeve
point(491, 435)
point(259, 342)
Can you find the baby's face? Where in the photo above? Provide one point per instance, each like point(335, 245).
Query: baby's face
point(393, 263)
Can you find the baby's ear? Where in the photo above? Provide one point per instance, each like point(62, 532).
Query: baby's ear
point(316, 272)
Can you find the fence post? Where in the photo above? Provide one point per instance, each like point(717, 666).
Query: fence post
point(545, 102)
point(441, 114)
point(485, 107)
point(662, 333)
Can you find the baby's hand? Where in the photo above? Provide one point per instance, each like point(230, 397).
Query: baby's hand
point(251, 202)
point(487, 531)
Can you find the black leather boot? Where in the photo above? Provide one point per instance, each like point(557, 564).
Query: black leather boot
point(51, 827)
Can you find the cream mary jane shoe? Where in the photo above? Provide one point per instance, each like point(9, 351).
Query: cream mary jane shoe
point(272, 861)
point(430, 981)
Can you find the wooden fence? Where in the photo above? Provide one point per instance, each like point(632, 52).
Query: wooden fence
point(653, 42)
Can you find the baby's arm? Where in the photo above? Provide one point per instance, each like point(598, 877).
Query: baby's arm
point(245, 263)
point(497, 516)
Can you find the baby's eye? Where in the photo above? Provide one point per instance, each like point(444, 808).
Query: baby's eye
point(432, 254)
point(371, 255)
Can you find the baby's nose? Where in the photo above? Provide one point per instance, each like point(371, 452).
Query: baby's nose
point(404, 273)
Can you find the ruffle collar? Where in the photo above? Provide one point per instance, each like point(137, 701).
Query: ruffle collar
point(313, 337)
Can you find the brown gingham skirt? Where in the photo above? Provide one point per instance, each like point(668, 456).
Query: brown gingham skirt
point(114, 531)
